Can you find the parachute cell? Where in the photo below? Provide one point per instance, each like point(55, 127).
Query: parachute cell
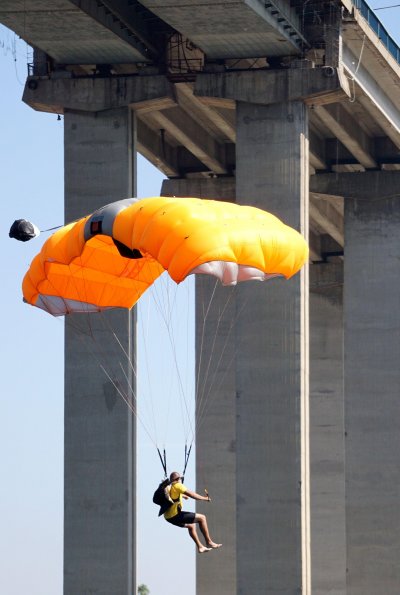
point(111, 257)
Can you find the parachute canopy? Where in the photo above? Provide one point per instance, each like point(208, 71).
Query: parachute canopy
point(109, 259)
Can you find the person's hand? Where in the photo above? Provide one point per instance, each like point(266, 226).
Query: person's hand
point(207, 496)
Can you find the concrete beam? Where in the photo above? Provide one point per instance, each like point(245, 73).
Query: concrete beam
point(359, 34)
point(347, 130)
point(372, 96)
point(149, 145)
point(204, 113)
point(330, 248)
point(325, 277)
point(317, 151)
point(327, 217)
point(218, 102)
point(375, 111)
point(335, 201)
point(119, 18)
point(192, 136)
point(314, 245)
point(213, 188)
point(371, 184)
point(274, 86)
point(98, 94)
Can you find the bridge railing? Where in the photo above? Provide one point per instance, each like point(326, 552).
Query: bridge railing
point(378, 28)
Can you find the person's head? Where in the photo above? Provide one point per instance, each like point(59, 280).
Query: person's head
point(175, 476)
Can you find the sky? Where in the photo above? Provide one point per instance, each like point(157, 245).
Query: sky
point(31, 379)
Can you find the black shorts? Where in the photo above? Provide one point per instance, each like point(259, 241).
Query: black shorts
point(182, 518)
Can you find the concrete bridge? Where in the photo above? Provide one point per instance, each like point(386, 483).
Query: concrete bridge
point(294, 107)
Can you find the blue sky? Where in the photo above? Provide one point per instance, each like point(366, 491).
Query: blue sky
point(31, 389)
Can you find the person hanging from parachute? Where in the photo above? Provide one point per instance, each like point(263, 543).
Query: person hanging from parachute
point(109, 258)
point(169, 496)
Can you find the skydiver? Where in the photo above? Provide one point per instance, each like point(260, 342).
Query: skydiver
point(176, 516)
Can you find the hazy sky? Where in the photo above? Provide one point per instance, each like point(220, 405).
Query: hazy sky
point(31, 389)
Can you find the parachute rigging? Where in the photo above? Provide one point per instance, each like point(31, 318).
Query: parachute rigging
point(110, 259)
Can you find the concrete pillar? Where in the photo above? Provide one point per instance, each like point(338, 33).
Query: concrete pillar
point(272, 525)
point(372, 406)
point(100, 430)
point(215, 405)
point(327, 489)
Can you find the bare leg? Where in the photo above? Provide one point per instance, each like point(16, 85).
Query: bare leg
point(193, 534)
point(202, 520)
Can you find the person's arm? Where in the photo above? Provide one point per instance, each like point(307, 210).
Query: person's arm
point(197, 496)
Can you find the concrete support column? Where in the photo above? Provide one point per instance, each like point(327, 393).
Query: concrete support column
point(215, 405)
point(273, 541)
point(372, 381)
point(328, 524)
point(100, 430)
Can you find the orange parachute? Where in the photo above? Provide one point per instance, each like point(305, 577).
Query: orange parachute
point(111, 257)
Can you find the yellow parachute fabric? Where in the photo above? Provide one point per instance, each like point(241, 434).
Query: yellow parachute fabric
point(111, 257)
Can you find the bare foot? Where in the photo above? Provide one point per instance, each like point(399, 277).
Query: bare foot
point(213, 545)
point(202, 549)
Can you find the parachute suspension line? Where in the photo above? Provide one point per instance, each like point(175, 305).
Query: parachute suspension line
point(203, 329)
point(165, 298)
point(59, 226)
point(51, 228)
point(128, 403)
point(108, 326)
point(204, 395)
point(201, 395)
point(90, 333)
point(190, 427)
point(157, 295)
point(201, 414)
point(144, 326)
point(160, 301)
point(149, 386)
point(190, 364)
point(166, 316)
point(205, 316)
point(81, 335)
point(187, 455)
point(204, 399)
point(83, 338)
point(163, 459)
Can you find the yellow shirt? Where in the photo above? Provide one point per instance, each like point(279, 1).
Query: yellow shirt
point(175, 492)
